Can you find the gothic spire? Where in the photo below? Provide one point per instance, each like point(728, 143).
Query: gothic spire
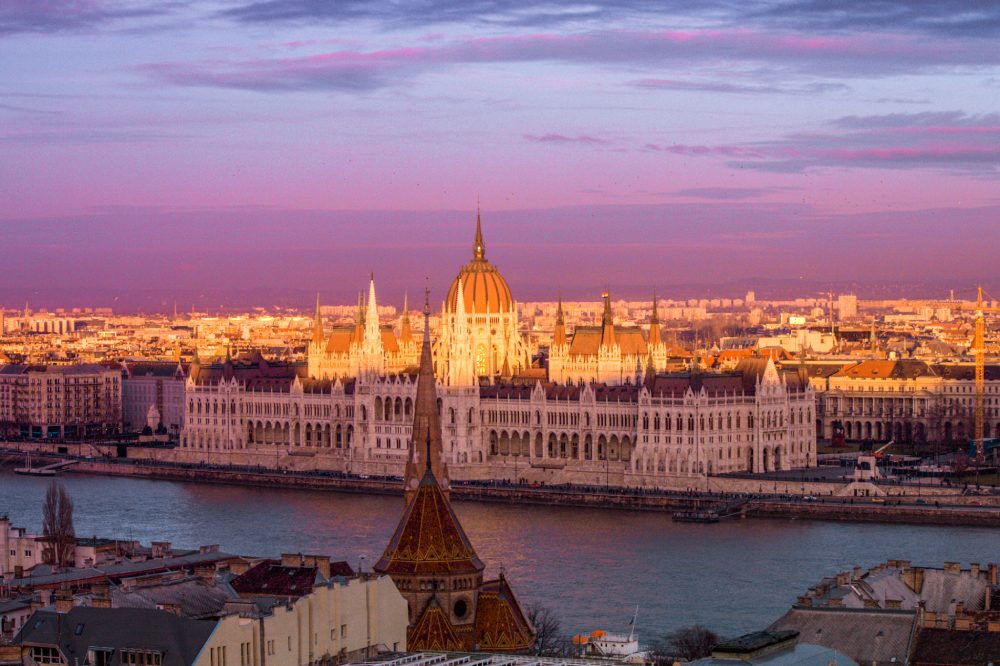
point(317, 325)
point(607, 323)
point(426, 420)
point(478, 248)
point(559, 334)
point(655, 340)
point(405, 331)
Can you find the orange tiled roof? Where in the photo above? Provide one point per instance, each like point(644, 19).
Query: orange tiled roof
point(587, 340)
point(340, 339)
point(433, 632)
point(501, 625)
point(429, 538)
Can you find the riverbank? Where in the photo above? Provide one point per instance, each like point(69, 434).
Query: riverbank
point(937, 510)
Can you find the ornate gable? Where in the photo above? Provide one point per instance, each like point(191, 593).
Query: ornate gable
point(433, 632)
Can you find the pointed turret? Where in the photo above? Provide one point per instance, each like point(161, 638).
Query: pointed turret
point(426, 433)
point(358, 336)
point(318, 325)
point(650, 379)
point(227, 364)
point(655, 339)
point(559, 334)
point(405, 331)
point(478, 247)
point(771, 377)
point(607, 323)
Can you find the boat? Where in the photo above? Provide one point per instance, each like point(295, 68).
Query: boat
point(623, 648)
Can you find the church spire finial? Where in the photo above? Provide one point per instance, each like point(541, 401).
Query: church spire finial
point(479, 248)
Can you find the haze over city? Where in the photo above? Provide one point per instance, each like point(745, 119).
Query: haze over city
point(155, 151)
point(496, 333)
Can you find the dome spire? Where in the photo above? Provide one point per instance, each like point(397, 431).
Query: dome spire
point(478, 249)
point(655, 339)
point(318, 324)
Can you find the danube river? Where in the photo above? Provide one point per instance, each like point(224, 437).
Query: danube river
point(591, 567)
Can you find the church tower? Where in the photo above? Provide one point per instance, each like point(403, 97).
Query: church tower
point(430, 558)
point(372, 362)
point(426, 446)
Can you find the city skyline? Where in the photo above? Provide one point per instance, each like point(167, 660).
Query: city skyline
point(240, 146)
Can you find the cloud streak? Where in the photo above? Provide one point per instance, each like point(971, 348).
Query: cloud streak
point(950, 140)
point(949, 18)
point(863, 55)
point(45, 16)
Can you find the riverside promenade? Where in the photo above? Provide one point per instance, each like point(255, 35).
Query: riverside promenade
point(953, 508)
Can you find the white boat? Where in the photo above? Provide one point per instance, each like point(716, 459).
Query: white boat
point(613, 647)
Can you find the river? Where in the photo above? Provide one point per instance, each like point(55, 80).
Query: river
point(591, 567)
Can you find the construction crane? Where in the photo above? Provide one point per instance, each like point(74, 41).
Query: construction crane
point(978, 350)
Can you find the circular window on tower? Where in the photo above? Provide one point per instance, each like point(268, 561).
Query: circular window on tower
point(461, 608)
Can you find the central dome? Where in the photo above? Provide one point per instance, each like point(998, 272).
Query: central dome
point(483, 288)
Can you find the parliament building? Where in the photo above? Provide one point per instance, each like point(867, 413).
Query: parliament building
point(604, 412)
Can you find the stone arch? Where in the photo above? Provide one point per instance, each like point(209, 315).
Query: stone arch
point(613, 448)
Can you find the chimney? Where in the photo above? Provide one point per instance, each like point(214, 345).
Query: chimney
point(174, 609)
point(952, 568)
point(161, 549)
point(206, 573)
point(992, 568)
point(857, 573)
point(64, 601)
point(974, 569)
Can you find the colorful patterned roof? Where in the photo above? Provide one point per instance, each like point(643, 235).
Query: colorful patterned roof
point(433, 632)
point(429, 538)
point(501, 625)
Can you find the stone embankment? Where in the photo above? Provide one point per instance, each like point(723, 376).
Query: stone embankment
point(940, 510)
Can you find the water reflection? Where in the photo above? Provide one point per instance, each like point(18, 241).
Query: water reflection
point(590, 566)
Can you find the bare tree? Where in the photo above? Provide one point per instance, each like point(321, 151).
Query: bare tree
point(692, 642)
point(549, 638)
point(57, 525)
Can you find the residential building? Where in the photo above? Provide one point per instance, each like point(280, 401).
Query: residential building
point(51, 401)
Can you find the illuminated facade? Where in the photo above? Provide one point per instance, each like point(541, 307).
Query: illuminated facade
point(479, 331)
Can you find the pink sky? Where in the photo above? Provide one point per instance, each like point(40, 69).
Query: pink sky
point(318, 141)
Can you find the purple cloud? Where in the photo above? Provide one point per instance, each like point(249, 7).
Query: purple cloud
point(950, 140)
point(59, 15)
point(563, 138)
point(738, 88)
